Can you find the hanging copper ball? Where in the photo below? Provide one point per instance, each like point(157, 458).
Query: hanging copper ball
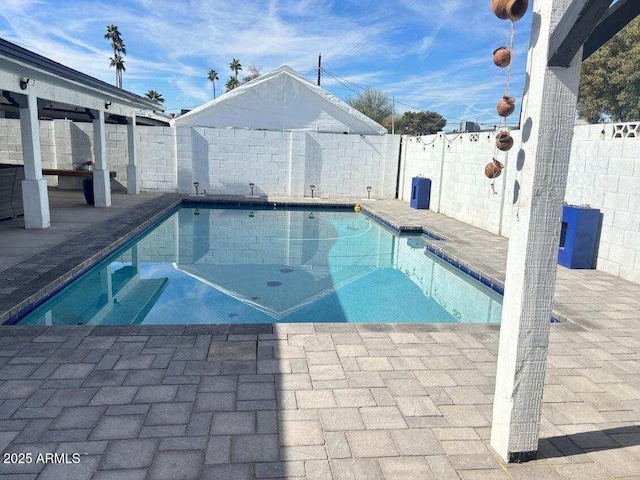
point(493, 169)
point(506, 106)
point(504, 141)
point(502, 57)
point(516, 9)
point(512, 10)
point(499, 7)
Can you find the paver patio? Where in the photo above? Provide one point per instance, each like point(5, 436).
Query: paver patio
point(316, 400)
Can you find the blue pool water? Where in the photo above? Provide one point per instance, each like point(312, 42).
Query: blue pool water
point(229, 265)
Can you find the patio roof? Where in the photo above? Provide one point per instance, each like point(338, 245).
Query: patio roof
point(19, 60)
point(26, 79)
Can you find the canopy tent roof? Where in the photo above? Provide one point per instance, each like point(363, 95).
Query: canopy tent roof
point(281, 100)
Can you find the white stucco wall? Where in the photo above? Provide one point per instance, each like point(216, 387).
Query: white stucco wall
point(604, 174)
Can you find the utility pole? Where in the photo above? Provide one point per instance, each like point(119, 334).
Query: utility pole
point(319, 67)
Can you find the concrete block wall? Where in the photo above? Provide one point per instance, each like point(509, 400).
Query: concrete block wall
point(10, 141)
point(348, 164)
point(603, 173)
point(156, 151)
point(65, 144)
point(421, 157)
point(225, 161)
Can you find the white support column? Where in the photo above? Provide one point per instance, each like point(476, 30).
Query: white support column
point(542, 165)
point(101, 180)
point(132, 169)
point(34, 188)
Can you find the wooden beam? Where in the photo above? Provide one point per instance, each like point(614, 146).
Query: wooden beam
point(547, 120)
point(618, 16)
point(574, 28)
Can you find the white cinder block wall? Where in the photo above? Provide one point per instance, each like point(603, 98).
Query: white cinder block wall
point(603, 173)
point(606, 175)
point(225, 161)
point(66, 144)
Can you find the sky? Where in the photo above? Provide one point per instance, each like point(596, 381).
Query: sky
point(429, 55)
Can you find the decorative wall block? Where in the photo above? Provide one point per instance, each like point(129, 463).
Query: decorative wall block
point(626, 130)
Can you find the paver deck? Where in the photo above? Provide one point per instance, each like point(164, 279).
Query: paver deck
point(319, 400)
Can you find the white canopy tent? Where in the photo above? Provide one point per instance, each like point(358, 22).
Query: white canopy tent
point(281, 100)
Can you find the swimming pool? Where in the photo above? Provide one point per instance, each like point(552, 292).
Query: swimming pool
point(232, 265)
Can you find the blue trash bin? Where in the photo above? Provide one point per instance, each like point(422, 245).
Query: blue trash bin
point(420, 193)
point(578, 236)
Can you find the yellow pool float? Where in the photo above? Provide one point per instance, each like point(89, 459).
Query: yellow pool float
point(357, 208)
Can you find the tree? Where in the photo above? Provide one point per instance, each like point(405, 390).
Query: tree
point(212, 77)
point(235, 66)
point(119, 51)
point(231, 83)
point(420, 123)
point(254, 72)
point(610, 81)
point(154, 95)
point(375, 104)
point(118, 62)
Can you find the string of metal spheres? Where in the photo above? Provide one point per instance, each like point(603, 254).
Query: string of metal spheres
point(512, 10)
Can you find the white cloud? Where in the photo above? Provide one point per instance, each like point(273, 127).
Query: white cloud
point(172, 44)
point(188, 89)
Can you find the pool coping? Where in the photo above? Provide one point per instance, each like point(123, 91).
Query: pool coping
point(171, 202)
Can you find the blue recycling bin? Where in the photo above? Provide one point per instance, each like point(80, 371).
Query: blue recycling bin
point(578, 236)
point(420, 193)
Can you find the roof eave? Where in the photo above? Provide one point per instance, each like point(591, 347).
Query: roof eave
point(26, 59)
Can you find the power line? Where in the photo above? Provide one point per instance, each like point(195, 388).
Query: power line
point(340, 81)
point(343, 81)
point(349, 28)
point(362, 38)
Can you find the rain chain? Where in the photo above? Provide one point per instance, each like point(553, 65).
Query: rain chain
point(512, 10)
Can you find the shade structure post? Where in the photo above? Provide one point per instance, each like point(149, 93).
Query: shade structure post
point(34, 188)
point(101, 180)
point(133, 188)
point(542, 164)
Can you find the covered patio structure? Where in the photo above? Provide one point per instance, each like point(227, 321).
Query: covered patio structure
point(28, 81)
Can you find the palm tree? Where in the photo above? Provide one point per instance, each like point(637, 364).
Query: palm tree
point(231, 83)
point(154, 95)
point(119, 50)
point(235, 66)
point(118, 62)
point(212, 77)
